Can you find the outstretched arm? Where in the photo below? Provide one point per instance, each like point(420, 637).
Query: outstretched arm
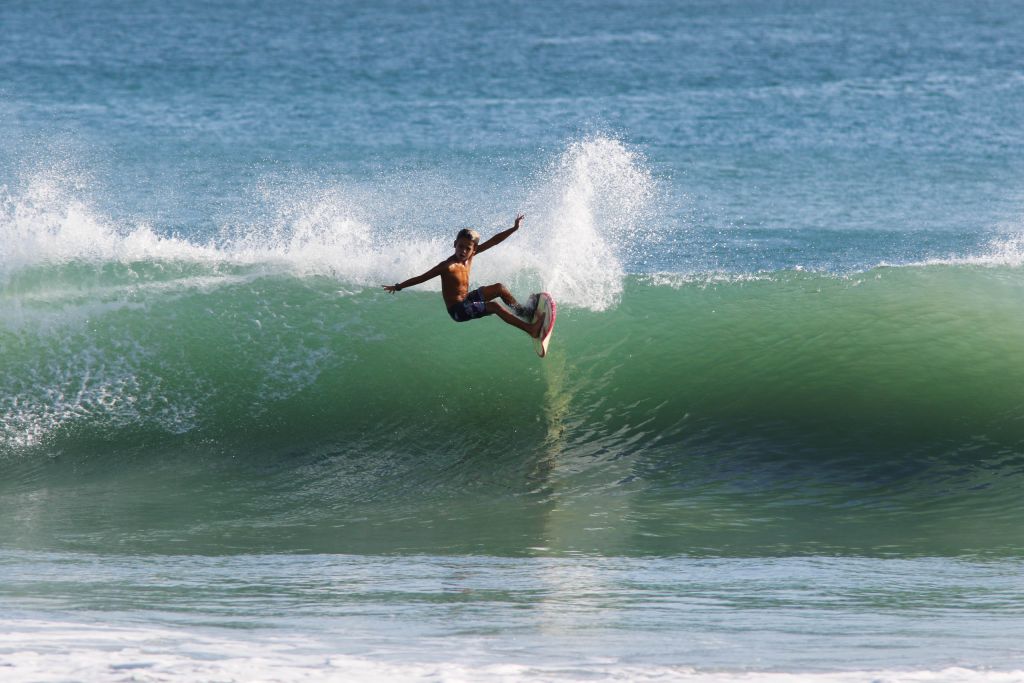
point(501, 236)
point(432, 273)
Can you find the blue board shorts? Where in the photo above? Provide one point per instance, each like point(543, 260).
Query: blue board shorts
point(470, 308)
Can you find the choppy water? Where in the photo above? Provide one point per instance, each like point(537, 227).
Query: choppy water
point(780, 431)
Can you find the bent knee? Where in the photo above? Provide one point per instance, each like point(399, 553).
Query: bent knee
point(495, 290)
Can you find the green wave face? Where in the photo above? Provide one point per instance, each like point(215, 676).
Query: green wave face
point(182, 407)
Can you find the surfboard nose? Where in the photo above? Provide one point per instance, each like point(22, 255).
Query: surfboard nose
point(545, 305)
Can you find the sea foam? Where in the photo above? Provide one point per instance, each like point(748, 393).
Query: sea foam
point(37, 651)
point(587, 209)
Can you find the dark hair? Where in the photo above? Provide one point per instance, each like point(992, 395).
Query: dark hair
point(469, 234)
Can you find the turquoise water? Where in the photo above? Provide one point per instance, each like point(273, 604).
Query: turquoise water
point(779, 434)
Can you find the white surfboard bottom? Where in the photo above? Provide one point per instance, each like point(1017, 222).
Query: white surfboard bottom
point(546, 306)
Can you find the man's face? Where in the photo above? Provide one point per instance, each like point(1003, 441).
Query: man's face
point(464, 248)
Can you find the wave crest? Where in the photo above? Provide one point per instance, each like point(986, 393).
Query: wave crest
point(587, 210)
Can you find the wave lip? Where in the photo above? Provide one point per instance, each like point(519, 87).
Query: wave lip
point(589, 208)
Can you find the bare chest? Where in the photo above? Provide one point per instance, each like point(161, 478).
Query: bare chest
point(459, 272)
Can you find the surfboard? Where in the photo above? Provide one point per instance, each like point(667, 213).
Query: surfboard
point(545, 305)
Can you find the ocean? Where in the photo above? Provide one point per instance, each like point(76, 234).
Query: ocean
point(779, 435)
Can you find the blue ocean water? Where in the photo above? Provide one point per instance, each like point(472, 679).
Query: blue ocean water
point(779, 435)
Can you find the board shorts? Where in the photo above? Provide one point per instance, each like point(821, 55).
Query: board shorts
point(470, 308)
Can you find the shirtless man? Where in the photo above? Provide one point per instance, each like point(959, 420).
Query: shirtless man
point(462, 304)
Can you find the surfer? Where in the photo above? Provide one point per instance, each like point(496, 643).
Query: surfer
point(463, 304)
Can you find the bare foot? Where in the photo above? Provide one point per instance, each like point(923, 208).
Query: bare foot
point(536, 327)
